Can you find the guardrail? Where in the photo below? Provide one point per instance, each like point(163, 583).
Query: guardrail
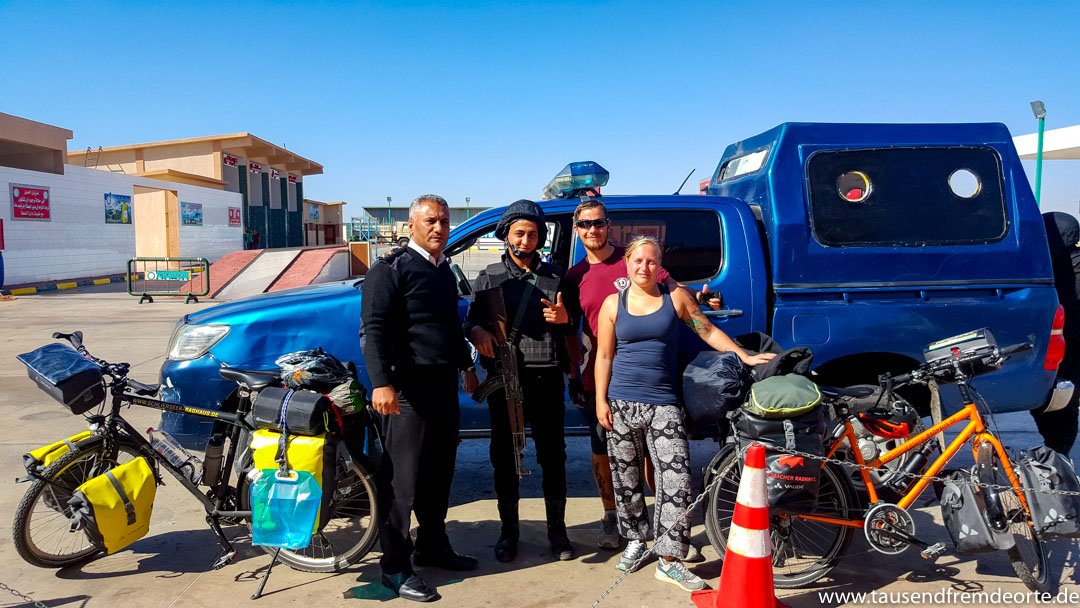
point(148, 277)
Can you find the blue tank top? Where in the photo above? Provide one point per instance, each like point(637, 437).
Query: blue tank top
point(646, 349)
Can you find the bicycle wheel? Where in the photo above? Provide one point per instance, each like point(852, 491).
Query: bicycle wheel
point(803, 551)
point(41, 529)
point(353, 526)
point(1028, 556)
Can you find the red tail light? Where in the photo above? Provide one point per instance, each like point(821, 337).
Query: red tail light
point(1055, 351)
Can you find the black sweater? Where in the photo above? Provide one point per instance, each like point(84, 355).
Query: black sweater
point(409, 318)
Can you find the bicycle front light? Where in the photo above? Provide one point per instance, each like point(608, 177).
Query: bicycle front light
point(192, 341)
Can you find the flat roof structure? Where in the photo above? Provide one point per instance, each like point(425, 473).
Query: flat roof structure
point(32, 145)
point(1058, 144)
point(195, 160)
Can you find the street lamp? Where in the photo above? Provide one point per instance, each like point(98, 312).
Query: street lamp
point(1038, 108)
point(388, 220)
point(467, 213)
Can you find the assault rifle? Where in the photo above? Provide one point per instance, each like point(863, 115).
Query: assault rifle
point(505, 375)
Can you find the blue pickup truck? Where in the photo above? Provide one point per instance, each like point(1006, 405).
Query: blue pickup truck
point(863, 242)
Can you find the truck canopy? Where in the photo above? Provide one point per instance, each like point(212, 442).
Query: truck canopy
point(889, 205)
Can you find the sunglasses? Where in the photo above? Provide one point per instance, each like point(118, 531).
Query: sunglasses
point(586, 224)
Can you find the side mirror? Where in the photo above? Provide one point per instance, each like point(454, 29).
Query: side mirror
point(463, 287)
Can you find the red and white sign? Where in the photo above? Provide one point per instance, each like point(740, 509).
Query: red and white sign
point(254, 167)
point(292, 179)
point(234, 216)
point(30, 203)
point(274, 174)
point(230, 160)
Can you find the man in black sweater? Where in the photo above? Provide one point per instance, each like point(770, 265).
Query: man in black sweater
point(414, 346)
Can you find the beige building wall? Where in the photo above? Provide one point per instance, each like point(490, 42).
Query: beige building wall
point(197, 158)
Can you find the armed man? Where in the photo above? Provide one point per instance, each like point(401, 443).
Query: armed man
point(518, 323)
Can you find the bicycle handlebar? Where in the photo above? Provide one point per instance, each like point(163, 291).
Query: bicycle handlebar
point(992, 357)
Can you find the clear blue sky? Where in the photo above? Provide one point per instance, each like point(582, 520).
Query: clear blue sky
point(488, 101)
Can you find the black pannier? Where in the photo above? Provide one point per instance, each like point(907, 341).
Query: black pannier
point(66, 376)
point(792, 480)
point(714, 384)
point(305, 411)
point(1043, 471)
point(963, 507)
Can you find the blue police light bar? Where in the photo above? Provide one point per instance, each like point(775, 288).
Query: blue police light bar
point(576, 179)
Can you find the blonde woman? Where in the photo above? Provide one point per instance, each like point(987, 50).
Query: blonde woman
point(637, 401)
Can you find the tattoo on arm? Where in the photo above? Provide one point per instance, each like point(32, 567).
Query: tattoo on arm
point(699, 323)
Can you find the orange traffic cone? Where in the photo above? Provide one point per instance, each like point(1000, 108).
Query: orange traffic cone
point(746, 581)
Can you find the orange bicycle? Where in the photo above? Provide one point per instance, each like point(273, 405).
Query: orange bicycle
point(807, 546)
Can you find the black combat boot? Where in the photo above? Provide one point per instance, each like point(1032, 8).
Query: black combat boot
point(506, 547)
point(556, 524)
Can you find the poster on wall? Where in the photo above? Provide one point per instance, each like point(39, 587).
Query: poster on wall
point(30, 203)
point(234, 217)
point(117, 209)
point(191, 214)
point(313, 214)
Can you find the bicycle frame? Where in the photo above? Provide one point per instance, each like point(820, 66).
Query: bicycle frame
point(213, 507)
point(974, 429)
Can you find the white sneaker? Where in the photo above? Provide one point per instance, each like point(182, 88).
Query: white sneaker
point(676, 573)
point(634, 551)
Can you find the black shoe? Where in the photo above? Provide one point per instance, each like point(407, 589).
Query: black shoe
point(410, 587)
point(447, 559)
point(561, 547)
point(506, 548)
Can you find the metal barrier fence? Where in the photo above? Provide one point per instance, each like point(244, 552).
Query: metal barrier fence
point(148, 277)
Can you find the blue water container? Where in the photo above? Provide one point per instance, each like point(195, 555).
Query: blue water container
point(284, 509)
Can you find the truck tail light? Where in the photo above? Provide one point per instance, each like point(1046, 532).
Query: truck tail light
point(1055, 351)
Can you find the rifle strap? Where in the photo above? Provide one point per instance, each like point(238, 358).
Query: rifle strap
point(514, 331)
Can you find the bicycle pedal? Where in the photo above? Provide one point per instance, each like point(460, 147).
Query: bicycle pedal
point(224, 560)
point(933, 552)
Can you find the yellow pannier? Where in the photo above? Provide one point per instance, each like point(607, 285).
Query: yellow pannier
point(37, 460)
point(114, 509)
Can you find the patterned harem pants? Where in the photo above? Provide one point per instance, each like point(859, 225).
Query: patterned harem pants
point(660, 428)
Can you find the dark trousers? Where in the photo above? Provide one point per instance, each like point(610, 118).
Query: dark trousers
point(420, 449)
point(545, 410)
point(1058, 429)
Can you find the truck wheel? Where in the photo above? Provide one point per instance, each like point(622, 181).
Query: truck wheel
point(403, 242)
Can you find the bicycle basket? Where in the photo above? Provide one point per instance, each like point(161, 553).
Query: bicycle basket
point(66, 376)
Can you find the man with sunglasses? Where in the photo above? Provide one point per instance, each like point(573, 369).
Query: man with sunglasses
point(590, 282)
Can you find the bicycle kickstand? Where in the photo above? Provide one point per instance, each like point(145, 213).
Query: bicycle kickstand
point(262, 584)
point(230, 553)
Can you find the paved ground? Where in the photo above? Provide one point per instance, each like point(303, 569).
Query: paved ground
point(169, 567)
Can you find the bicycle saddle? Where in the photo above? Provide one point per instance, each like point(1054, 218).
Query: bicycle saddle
point(847, 391)
point(253, 379)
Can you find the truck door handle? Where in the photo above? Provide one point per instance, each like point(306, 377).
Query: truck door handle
point(723, 313)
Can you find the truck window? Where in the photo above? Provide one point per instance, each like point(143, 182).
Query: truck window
point(692, 245)
point(906, 197)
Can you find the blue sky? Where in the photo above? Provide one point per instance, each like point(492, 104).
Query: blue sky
point(489, 100)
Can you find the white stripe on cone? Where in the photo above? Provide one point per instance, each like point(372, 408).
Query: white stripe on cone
point(749, 543)
point(752, 491)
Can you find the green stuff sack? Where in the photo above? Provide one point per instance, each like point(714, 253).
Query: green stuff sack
point(787, 396)
point(311, 455)
point(35, 461)
point(114, 509)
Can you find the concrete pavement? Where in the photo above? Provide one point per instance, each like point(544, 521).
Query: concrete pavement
point(170, 566)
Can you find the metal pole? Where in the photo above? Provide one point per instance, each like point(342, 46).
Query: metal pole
point(1038, 161)
point(468, 214)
